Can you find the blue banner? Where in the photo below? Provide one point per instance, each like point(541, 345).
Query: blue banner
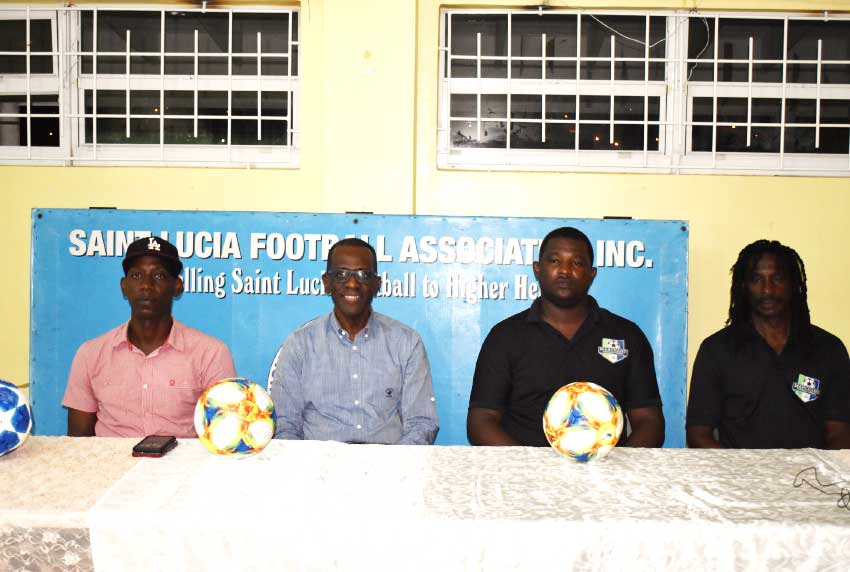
point(251, 278)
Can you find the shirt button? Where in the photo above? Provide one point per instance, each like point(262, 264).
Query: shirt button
point(432, 399)
point(359, 427)
point(145, 386)
point(356, 402)
point(354, 348)
point(354, 376)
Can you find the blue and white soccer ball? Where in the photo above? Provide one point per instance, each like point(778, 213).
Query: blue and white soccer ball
point(15, 417)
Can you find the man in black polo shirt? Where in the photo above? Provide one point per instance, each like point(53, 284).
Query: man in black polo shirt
point(564, 337)
point(770, 379)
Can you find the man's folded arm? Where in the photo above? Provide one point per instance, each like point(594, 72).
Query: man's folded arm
point(81, 423)
point(484, 427)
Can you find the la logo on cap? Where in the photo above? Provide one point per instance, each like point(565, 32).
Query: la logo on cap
point(153, 244)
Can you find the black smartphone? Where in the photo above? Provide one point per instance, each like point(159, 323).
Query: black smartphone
point(154, 446)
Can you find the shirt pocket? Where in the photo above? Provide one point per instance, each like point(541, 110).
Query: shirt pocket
point(177, 398)
point(115, 394)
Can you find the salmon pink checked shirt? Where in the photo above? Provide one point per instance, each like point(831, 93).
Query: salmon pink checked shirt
point(135, 394)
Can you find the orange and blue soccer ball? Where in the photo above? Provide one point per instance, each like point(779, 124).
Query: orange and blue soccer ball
point(15, 418)
point(583, 421)
point(235, 417)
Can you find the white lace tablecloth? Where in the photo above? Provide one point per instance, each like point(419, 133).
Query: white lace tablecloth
point(328, 506)
point(48, 486)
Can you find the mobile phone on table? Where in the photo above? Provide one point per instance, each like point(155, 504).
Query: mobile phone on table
point(154, 446)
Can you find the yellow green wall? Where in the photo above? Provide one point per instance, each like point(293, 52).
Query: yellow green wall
point(368, 120)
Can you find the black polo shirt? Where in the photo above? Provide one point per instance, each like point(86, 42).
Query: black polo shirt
point(758, 399)
point(524, 361)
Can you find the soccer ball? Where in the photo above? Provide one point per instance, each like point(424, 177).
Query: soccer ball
point(15, 418)
point(235, 417)
point(583, 421)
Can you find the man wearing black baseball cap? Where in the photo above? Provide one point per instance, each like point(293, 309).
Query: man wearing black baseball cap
point(145, 376)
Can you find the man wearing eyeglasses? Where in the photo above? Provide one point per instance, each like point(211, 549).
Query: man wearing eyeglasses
point(353, 375)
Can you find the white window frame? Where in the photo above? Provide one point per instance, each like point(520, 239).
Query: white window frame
point(676, 95)
point(68, 54)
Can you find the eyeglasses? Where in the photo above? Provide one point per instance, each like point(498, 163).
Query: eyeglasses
point(341, 275)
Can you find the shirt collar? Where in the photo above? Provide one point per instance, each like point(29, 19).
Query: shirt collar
point(535, 312)
point(175, 339)
point(369, 331)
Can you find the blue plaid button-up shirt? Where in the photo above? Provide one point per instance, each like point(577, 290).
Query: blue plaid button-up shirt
point(375, 389)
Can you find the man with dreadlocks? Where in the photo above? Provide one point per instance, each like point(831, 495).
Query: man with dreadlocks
point(770, 379)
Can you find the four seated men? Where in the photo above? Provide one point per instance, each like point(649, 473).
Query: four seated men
point(769, 379)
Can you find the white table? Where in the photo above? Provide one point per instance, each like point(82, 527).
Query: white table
point(329, 506)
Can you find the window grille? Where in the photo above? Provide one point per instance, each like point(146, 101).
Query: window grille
point(644, 91)
point(83, 85)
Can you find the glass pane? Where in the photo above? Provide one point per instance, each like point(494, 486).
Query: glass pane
point(112, 27)
point(763, 139)
point(733, 72)
point(835, 73)
point(179, 103)
point(492, 27)
point(212, 103)
point(597, 31)
point(701, 138)
point(596, 70)
point(464, 68)
point(463, 105)
point(803, 38)
point(109, 102)
point(526, 106)
point(494, 69)
point(144, 65)
point(144, 102)
point(703, 109)
point(528, 136)
point(527, 69)
point(561, 107)
point(630, 108)
point(13, 39)
point(594, 136)
point(210, 132)
point(45, 130)
point(270, 66)
point(465, 133)
point(799, 111)
point(767, 73)
point(735, 34)
point(800, 140)
point(273, 29)
point(274, 103)
point(802, 73)
point(560, 70)
point(833, 140)
point(494, 106)
point(766, 110)
point(113, 131)
point(245, 132)
point(835, 111)
point(731, 110)
point(631, 138)
point(180, 32)
point(527, 31)
point(595, 107)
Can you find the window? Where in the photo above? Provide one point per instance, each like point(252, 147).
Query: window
point(644, 91)
point(152, 86)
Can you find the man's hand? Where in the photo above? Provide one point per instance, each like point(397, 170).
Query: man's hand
point(484, 427)
point(837, 435)
point(702, 437)
point(81, 423)
point(647, 425)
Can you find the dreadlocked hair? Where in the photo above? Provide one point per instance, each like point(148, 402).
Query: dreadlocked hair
point(739, 305)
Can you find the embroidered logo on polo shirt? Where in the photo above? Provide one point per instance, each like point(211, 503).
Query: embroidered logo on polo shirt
point(613, 350)
point(806, 388)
